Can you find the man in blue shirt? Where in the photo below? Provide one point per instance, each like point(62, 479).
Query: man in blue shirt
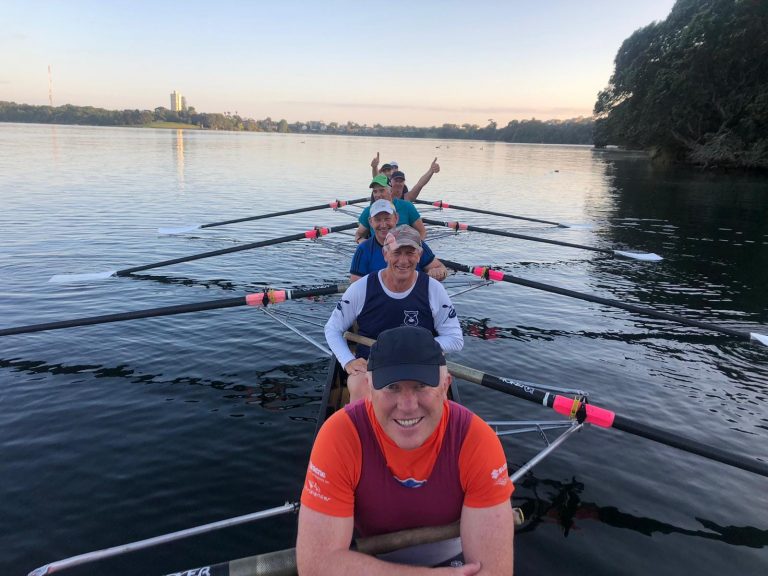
point(369, 256)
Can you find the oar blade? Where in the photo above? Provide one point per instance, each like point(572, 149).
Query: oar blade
point(171, 230)
point(85, 277)
point(762, 338)
point(644, 256)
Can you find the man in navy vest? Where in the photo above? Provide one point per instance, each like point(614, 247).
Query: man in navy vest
point(395, 296)
point(406, 458)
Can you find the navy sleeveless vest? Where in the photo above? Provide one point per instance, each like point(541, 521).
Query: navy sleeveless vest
point(381, 312)
point(383, 504)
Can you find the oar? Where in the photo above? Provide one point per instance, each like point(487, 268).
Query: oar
point(440, 204)
point(190, 227)
point(256, 299)
point(149, 542)
point(498, 275)
point(645, 256)
point(311, 234)
point(577, 408)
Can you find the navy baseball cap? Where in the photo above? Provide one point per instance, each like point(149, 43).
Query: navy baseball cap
point(396, 175)
point(405, 353)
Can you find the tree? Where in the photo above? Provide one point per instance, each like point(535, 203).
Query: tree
point(694, 87)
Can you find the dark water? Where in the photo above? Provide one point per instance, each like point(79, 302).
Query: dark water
point(120, 432)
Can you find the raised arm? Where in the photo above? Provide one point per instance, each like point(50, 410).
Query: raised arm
point(487, 536)
point(322, 549)
point(375, 166)
point(413, 193)
point(420, 228)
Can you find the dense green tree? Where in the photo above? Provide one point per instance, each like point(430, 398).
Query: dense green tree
point(693, 87)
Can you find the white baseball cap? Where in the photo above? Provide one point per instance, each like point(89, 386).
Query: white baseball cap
point(382, 206)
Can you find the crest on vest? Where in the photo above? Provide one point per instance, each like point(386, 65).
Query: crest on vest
point(411, 318)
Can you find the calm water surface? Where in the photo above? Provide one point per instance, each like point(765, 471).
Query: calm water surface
point(120, 432)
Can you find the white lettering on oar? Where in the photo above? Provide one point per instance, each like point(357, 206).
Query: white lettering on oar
point(204, 571)
point(518, 384)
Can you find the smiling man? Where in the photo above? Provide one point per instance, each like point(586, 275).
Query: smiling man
point(369, 256)
point(398, 295)
point(406, 458)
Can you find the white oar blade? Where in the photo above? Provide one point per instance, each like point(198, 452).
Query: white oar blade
point(644, 256)
point(762, 338)
point(170, 230)
point(575, 226)
point(86, 277)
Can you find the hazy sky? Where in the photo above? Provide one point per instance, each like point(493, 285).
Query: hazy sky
point(411, 62)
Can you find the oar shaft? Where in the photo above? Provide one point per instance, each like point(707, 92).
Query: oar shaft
point(256, 299)
point(471, 228)
point(441, 204)
point(164, 539)
point(501, 276)
point(693, 446)
point(300, 236)
point(334, 205)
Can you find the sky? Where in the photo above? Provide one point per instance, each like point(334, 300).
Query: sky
point(416, 62)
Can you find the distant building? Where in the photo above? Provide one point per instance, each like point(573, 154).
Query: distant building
point(178, 102)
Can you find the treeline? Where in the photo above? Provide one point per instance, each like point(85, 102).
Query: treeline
point(577, 131)
point(694, 87)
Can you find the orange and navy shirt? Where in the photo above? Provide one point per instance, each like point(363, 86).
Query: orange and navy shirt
point(336, 463)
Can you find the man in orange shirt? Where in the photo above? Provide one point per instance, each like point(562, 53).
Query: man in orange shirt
point(405, 458)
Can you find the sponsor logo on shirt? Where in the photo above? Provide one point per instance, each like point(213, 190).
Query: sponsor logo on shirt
point(500, 476)
point(312, 486)
point(411, 317)
point(410, 482)
point(316, 470)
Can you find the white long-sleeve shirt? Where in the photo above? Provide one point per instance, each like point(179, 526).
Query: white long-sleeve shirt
point(446, 323)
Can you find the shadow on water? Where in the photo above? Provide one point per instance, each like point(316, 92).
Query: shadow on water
point(545, 501)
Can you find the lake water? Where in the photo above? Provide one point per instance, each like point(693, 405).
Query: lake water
point(124, 431)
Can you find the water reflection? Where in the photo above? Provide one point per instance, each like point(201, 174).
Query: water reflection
point(54, 144)
point(179, 156)
point(548, 501)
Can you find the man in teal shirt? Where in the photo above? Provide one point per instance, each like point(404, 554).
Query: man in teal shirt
point(406, 211)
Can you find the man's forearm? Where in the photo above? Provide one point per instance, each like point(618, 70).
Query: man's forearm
point(350, 563)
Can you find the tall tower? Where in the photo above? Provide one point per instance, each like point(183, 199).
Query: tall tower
point(176, 101)
point(50, 87)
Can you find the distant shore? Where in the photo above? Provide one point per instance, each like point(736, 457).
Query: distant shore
point(163, 124)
